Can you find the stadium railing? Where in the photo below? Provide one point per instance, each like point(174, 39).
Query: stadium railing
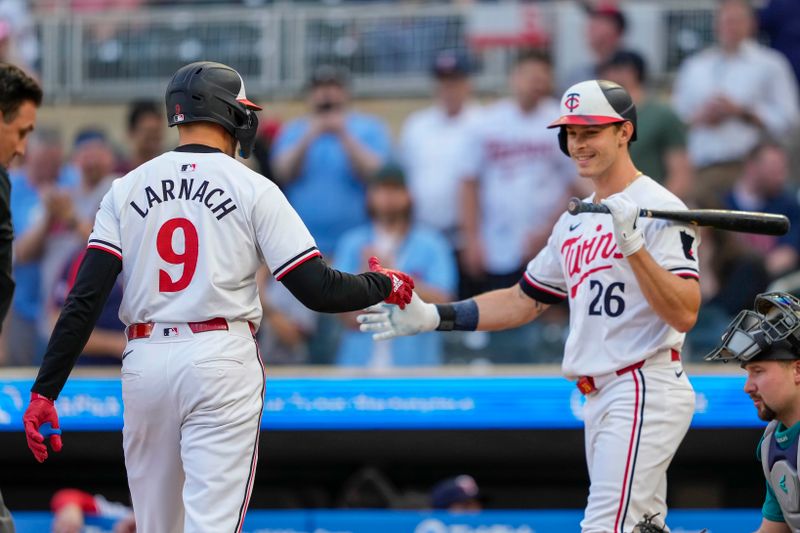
point(116, 55)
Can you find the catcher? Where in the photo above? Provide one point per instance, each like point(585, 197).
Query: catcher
point(766, 343)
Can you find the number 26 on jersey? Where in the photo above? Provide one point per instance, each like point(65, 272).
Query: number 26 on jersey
point(608, 300)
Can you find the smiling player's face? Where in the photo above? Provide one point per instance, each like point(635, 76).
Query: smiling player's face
point(595, 148)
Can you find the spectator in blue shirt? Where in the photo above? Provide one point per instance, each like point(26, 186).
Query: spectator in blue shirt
point(763, 186)
point(35, 206)
point(321, 160)
point(423, 253)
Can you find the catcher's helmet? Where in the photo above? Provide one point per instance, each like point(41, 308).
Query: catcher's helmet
point(212, 92)
point(771, 331)
point(591, 103)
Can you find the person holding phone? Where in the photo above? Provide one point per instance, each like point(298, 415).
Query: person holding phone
point(323, 159)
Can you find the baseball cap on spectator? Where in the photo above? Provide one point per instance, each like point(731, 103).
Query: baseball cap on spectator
point(389, 174)
point(328, 75)
point(451, 64)
point(454, 490)
point(89, 135)
point(611, 12)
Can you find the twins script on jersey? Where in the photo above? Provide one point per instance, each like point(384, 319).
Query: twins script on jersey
point(191, 229)
point(611, 324)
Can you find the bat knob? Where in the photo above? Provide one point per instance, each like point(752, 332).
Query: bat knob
point(574, 206)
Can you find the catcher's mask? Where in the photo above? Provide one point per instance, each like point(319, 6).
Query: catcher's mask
point(771, 331)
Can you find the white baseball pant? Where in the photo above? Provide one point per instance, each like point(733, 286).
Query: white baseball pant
point(634, 423)
point(192, 416)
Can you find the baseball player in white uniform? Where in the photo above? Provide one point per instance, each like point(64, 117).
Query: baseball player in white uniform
point(632, 289)
point(188, 230)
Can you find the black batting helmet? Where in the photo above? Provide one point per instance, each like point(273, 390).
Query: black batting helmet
point(594, 102)
point(212, 92)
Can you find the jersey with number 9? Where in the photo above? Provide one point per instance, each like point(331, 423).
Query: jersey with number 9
point(191, 227)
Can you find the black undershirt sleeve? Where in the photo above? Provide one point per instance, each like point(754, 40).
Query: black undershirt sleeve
point(327, 290)
point(96, 276)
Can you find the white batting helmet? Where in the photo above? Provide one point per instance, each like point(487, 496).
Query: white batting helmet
point(594, 102)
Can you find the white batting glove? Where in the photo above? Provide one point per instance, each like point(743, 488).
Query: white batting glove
point(387, 321)
point(627, 228)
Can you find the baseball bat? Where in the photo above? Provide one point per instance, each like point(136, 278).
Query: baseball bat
point(743, 221)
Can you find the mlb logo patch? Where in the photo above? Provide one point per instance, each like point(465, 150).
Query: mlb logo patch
point(178, 117)
point(170, 332)
point(191, 167)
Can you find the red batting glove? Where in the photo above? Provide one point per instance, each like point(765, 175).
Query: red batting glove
point(402, 284)
point(41, 410)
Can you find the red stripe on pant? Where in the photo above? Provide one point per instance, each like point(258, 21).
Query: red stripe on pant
point(626, 480)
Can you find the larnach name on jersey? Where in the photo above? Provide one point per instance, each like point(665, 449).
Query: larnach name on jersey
point(215, 199)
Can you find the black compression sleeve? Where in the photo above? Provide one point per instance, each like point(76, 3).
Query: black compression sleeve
point(324, 289)
point(96, 277)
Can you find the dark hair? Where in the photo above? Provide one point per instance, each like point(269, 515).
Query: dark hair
point(613, 14)
point(141, 108)
point(533, 55)
point(629, 59)
point(325, 74)
point(16, 87)
point(763, 144)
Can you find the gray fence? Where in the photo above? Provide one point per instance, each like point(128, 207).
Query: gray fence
point(116, 56)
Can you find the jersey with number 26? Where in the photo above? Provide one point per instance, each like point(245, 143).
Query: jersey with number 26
point(611, 323)
point(192, 228)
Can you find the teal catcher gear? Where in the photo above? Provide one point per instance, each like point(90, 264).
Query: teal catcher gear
point(780, 471)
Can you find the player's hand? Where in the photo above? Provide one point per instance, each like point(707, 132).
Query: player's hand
point(387, 321)
point(41, 421)
point(402, 284)
point(627, 228)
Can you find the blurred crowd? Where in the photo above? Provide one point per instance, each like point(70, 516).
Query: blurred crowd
point(463, 197)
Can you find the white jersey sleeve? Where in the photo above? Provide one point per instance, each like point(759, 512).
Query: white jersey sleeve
point(544, 279)
point(106, 232)
point(673, 247)
point(282, 237)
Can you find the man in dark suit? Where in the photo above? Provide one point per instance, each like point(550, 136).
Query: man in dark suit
point(20, 96)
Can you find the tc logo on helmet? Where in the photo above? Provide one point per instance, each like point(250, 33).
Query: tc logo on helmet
point(573, 101)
